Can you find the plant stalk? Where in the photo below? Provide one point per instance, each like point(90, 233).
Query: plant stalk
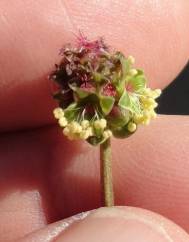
point(106, 174)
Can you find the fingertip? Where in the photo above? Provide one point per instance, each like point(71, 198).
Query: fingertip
point(120, 224)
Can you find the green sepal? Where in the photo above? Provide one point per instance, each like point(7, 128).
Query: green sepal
point(126, 65)
point(120, 87)
point(106, 104)
point(138, 81)
point(118, 83)
point(124, 101)
point(119, 77)
point(71, 111)
point(81, 93)
point(129, 102)
point(91, 99)
point(135, 106)
point(119, 118)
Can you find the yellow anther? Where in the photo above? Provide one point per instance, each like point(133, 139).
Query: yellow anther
point(157, 92)
point(90, 131)
point(151, 101)
point(133, 72)
point(107, 134)
point(84, 134)
point(131, 59)
point(75, 127)
point(100, 123)
point(146, 121)
point(79, 129)
point(62, 121)
point(66, 131)
point(103, 123)
point(73, 136)
point(97, 124)
point(147, 91)
point(155, 104)
point(131, 127)
point(153, 114)
point(58, 113)
point(85, 124)
point(138, 118)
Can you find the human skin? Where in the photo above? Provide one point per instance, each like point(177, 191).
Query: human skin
point(43, 176)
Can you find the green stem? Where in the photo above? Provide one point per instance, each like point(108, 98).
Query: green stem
point(106, 174)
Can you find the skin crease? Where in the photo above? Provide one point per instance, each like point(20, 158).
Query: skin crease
point(41, 172)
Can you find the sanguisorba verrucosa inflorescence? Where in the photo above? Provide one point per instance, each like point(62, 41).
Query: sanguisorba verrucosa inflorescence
point(100, 93)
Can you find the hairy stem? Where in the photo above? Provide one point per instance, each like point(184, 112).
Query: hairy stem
point(106, 174)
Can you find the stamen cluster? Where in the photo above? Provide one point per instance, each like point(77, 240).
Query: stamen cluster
point(84, 129)
point(100, 93)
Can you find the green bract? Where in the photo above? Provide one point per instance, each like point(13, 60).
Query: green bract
point(100, 88)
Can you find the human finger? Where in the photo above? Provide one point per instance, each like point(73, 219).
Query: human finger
point(154, 32)
point(112, 224)
point(149, 171)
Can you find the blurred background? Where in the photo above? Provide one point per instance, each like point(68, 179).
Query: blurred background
point(175, 97)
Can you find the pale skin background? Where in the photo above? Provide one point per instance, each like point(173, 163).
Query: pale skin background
point(45, 178)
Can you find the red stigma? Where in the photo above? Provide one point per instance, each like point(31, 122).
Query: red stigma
point(94, 46)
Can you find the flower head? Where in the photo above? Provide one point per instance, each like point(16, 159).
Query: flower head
point(100, 93)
